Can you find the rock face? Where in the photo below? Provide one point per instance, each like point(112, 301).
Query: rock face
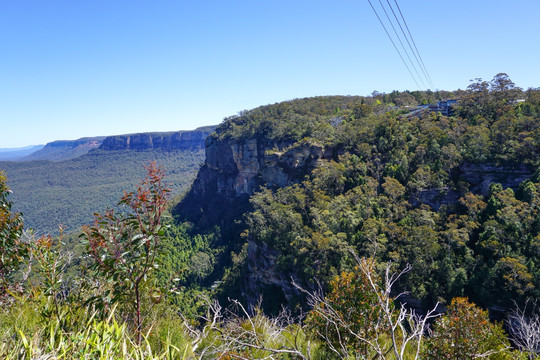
point(434, 197)
point(235, 168)
point(263, 272)
point(480, 176)
point(230, 169)
point(176, 140)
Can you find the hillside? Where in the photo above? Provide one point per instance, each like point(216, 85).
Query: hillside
point(65, 149)
point(294, 186)
point(68, 192)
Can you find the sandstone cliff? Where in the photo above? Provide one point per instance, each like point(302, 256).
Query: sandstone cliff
point(480, 176)
point(477, 179)
point(234, 169)
point(175, 140)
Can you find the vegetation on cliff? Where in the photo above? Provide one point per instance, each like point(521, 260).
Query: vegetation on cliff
point(455, 196)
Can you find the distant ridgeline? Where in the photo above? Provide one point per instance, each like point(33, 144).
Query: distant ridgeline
point(70, 149)
point(65, 149)
point(15, 154)
point(67, 181)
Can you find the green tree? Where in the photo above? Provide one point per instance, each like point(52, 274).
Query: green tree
point(356, 313)
point(124, 247)
point(465, 332)
point(504, 90)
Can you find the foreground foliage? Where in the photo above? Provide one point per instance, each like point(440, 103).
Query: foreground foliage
point(465, 332)
point(25, 337)
point(239, 332)
point(124, 248)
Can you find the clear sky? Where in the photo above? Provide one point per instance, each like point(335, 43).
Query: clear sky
point(70, 69)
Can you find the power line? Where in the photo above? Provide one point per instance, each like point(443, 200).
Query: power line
point(401, 42)
point(410, 46)
point(395, 47)
point(412, 39)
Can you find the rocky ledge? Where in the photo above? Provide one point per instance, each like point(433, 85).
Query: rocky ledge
point(238, 168)
point(174, 140)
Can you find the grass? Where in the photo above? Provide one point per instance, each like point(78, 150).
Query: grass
point(25, 335)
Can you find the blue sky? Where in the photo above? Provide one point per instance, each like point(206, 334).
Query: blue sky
point(70, 69)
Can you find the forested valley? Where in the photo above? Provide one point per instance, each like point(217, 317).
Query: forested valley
point(68, 192)
point(336, 227)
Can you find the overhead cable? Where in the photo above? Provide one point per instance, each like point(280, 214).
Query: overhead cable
point(401, 42)
point(410, 46)
point(394, 44)
point(414, 43)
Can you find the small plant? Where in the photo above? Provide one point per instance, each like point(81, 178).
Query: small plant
point(51, 267)
point(124, 247)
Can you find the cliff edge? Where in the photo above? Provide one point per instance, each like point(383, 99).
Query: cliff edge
point(174, 140)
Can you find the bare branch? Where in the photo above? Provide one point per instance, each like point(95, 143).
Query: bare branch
point(524, 325)
point(403, 326)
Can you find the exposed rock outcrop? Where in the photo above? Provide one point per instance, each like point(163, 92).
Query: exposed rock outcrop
point(434, 197)
point(235, 169)
point(263, 272)
point(175, 140)
point(480, 176)
point(238, 168)
point(477, 178)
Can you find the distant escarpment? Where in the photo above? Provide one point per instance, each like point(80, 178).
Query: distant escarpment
point(61, 150)
point(85, 177)
point(174, 140)
point(65, 149)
